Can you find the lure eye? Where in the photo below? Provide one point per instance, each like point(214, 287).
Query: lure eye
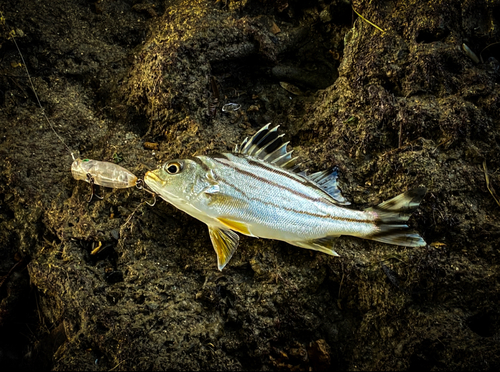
point(173, 167)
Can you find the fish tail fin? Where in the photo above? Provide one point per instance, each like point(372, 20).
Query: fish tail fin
point(392, 216)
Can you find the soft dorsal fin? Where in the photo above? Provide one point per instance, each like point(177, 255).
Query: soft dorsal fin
point(268, 145)
point(225, 243)
point(327, 181)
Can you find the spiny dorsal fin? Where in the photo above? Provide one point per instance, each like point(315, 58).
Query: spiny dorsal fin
point(225, 243)
point(268, 145)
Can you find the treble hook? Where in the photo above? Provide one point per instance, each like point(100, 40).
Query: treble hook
point(90, 180)
point(140, 186)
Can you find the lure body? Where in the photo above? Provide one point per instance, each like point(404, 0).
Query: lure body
point(103, 173)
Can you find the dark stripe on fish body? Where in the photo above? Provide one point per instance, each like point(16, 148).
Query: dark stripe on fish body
point(294, 210)
point(296, 177)
point(337, 218)
point(270, 167)
point(277, 170)
point(200, 163)
point(265, 202)
point(271, 183)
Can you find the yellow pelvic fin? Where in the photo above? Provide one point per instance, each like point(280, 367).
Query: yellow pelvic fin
point(225, 243)
point(240, 227)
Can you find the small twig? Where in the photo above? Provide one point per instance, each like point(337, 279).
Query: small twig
point(489, 185)
point(367, 21)
point(486, 47)
point(117, 365)
point(341, 280)
point(400, 134)
point(4, 278)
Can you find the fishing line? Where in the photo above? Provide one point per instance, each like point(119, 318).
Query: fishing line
point(36, 96)
point(95, 172)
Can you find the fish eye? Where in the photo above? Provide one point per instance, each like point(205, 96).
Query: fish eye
point(173, 167)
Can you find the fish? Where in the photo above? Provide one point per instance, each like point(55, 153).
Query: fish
point(258, 190)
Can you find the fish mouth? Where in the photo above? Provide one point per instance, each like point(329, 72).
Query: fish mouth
point(156, 184)
point(151, 176)
point(153, 181)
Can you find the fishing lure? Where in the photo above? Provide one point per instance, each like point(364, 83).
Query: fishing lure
point(105, 174)
point(95, 172)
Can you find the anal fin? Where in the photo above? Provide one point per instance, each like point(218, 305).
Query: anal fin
point(225, 243)
point(322, 245)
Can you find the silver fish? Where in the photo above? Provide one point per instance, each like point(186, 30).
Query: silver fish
point(257, 191)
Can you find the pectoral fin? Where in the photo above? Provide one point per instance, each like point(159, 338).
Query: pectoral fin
point(213, 187)
point(225, 243)
point(322, 245)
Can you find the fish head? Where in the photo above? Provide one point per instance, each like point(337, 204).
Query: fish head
point(180, 182)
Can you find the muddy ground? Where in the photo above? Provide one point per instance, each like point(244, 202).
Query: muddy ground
point(393, 109)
